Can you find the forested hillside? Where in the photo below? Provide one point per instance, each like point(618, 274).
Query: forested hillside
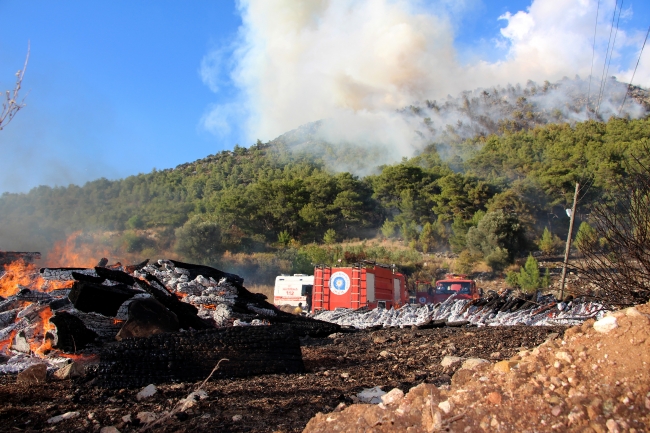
point(489, 201)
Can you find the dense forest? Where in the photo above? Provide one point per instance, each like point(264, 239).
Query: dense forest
point(491, 201)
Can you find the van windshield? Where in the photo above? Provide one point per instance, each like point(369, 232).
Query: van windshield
point(447, 287)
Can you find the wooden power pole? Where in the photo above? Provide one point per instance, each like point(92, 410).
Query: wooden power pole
point(568, 241)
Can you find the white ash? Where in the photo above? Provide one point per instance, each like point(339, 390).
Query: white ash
point(262, 311)
point(65, 275)
point(182, 271)
point(19, 362)
point(221, 314)
point(260, 322)
point(454, 311)
point(109, 283)
point(238, 322)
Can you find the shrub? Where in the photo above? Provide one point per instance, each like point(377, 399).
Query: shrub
point(549, 243)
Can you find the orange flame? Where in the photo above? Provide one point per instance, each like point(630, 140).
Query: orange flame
point(4, 344)
point(26, 275)
point(117, 321)
point(72, 252)
point(41, 345)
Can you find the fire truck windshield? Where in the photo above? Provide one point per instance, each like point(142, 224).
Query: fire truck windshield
point(443, 287)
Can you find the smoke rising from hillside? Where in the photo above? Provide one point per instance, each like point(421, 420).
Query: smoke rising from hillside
point(355, 62)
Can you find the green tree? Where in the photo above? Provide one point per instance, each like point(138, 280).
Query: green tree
point(199, 240)
point(548, 243)
point(586, 238)
point(330, 237)
point(498, 237)
point(528, 278)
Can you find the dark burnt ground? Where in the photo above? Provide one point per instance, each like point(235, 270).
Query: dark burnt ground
point(337, 367)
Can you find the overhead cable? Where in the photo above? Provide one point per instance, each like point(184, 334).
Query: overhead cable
point(593, 55)
point(611, 54)
point(634, 73)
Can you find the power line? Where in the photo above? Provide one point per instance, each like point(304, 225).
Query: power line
point(611, 54)
point(593, 55)
point(634, 73)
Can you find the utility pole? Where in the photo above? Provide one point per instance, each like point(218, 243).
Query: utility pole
point(568, 241)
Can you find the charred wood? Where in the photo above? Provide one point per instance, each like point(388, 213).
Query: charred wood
point(191, 356)
point(96, 298)
point(148, 317)
point(72, 334)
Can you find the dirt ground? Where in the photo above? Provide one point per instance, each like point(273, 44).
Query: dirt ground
point(338, 368)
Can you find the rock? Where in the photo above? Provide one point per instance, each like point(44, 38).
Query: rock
point(190, 400)
point(146, 392)
point(564, 356)
point(495, 355)
point(236, 418)
point(384, 354)
point(127, 418)
point(612, 426)
point(556, 410)
point(606, 324)
point(505, 366)
point(472, 363)
point(59, 418)
point(109, 429)
point(446, 406)
point(34, 374)
point(450, 361)
point(70, 371)
point(371, 395)
point(148, 317)
point(345, 375)
point(494, 398)
point(146, 417)
point(392, 396)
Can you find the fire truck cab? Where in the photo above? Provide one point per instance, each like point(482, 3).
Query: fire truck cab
point(452, 284)
point(362, 285)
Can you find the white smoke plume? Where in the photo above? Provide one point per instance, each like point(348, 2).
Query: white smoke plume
point(354, 63)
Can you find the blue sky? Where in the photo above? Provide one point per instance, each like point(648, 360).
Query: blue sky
point(118, 88)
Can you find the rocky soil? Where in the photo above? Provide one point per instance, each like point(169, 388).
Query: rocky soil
point(594, 379)
point(337, 369)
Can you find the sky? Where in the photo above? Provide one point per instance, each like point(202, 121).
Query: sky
point(118, 88)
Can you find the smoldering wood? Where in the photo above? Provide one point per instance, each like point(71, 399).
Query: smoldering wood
point(8, 317)
point(186, 313)
point(78, 276)
point(7, 257)
point(147, 317)
point(64, 274)
point(97, 298)
point(26, 294)
point(106, 327)
point(103, 262)
point(191, 356)
point(72, 334)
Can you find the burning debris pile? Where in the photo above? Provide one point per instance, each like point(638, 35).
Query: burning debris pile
point(494, 310)
point(146, 322)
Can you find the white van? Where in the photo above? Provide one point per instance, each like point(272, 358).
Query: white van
point(293, 290)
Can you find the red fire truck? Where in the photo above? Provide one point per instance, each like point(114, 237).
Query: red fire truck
point(452, 284)
point(363, 285)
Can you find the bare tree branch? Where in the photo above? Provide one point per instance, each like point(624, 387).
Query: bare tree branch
point(617, 261)
point(10, 105)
